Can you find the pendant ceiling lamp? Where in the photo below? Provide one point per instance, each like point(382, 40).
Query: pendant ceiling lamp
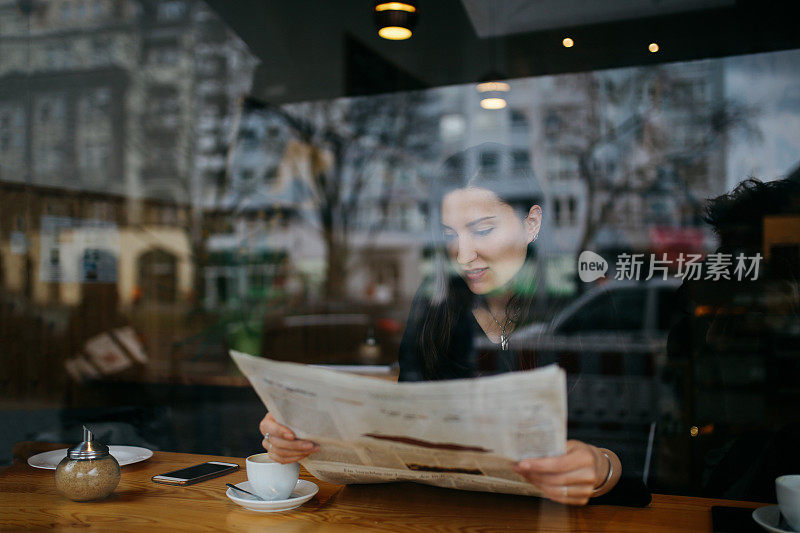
point(493, 91)
point(395, 20)
point(491, 87)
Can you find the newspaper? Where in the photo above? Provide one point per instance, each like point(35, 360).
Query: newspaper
point(464, 434)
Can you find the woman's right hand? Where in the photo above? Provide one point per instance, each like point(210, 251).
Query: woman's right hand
point(281, 443)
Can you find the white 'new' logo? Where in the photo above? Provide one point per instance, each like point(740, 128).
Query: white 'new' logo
point(591, 266)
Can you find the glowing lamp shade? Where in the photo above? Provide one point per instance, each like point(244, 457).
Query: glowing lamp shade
point(493, 103)
point(493, 86)
point(395, 20)
point(493, 94)
point(394, 33)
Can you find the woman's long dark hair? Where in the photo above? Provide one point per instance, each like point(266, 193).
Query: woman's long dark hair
point(448, 296)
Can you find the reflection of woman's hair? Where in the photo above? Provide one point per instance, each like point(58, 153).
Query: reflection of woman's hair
point(448, 296)
point(738, 219)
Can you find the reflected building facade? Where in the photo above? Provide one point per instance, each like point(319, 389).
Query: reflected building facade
point(142, 183)
point(129, 101)
point(343, 206)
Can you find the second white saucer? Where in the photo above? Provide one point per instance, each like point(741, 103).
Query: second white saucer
point(769, 517)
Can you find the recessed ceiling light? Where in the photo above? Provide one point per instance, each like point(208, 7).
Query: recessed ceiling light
point(567, 42)
point(653, 47)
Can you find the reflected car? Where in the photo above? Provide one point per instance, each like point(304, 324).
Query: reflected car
point(619, 316)
point(612, 342)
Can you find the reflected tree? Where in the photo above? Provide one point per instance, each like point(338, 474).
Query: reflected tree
point(650, 130)
point(348, 155)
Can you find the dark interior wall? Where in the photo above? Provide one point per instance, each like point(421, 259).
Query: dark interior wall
point(304, 52)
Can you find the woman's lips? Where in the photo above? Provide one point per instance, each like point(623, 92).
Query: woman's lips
point(475, 274)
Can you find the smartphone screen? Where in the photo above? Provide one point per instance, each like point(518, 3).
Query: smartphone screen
point(196, 473)
point(733, 520)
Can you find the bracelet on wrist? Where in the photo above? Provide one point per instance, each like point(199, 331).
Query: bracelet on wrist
point(608, 477)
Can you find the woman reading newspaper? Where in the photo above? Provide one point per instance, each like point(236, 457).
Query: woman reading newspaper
point(484, 284)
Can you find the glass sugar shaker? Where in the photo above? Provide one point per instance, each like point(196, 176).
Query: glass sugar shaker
point(88, 472)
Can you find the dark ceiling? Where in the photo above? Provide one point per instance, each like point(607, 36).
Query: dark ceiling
point(319, 49)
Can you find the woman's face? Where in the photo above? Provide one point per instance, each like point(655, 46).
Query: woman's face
point(486, 239)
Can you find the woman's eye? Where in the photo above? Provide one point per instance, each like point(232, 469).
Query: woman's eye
point(448, 236)
point(483, 232)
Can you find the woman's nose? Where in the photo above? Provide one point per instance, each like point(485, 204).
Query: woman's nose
point(466, 251)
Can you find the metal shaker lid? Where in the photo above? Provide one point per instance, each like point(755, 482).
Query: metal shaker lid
point(88, 449)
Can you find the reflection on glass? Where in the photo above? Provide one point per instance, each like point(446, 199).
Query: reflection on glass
point(154, 213)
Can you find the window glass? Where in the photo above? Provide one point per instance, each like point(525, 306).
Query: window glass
point(179, 179)
point(616, 310)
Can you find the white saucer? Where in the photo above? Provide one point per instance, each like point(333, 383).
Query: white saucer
point(770, 518)
point(125, 455)
point(303, 491)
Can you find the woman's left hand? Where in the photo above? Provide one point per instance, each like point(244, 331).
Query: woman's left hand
point(570, 478)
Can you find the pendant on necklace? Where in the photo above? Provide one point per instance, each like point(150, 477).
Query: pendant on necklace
point(503, 342)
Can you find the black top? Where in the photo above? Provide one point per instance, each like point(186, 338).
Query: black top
point(462, 360)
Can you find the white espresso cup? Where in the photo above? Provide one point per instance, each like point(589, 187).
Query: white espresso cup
point(788, 490)
point(269, 479)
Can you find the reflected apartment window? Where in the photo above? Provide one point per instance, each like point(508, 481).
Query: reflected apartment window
point(102, 51)
point(552, 125)
point(565, 211)
point(490, 162)
point(98, 9)
point(271, 176)
point(94, 105)
point(519, 121)
point(94, 158)
point(49, 134)
point(521, 161)
point(562, 166)
point(13, 121)
point(163, 106)
point(44, 112)
point(65, 55)
point(557, 212)
point(246, 178)
point(5, 131)
point(52, 54)
point(163, 54)
point(66, 11)
point(249, 138)
point(572, 209)
point(168, 11)
point(47, 160)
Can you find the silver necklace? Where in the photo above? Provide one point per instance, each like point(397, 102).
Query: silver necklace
point(503, 336)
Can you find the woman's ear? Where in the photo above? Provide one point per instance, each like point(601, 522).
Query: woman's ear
point(533, 223)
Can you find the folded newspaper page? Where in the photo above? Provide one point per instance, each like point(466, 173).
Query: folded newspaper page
point(464, 434)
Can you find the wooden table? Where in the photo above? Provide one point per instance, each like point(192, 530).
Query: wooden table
point(28, 499)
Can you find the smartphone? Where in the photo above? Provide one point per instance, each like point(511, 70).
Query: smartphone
point(193, 474)
point(733, 520)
